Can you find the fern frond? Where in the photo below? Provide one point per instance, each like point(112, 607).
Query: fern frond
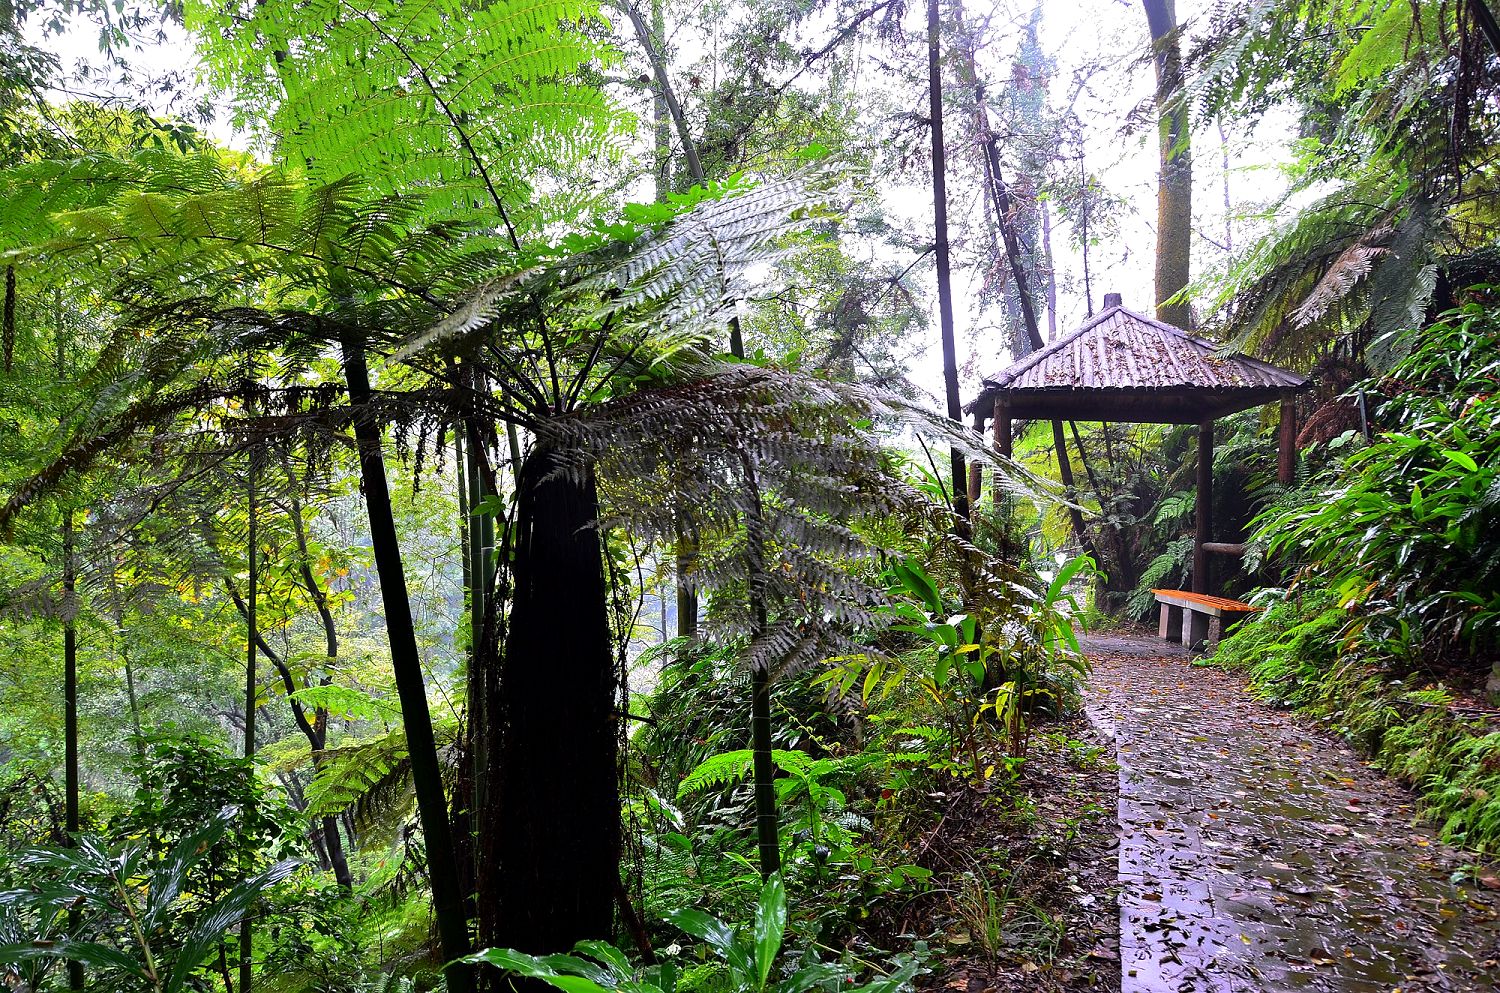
point(462, 105)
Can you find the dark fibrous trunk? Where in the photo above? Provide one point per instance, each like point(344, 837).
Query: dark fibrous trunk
point(556, 839)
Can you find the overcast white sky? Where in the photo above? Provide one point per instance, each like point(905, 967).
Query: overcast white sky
point(1109, 35)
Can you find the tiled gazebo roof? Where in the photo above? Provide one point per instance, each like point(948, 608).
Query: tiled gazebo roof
point(1122, 366)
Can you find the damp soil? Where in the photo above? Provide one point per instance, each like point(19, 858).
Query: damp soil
point(1257, 853)
point(1024, 873)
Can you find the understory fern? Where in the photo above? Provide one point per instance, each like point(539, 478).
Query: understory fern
point(1167, 569)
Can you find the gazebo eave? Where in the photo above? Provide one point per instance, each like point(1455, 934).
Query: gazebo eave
point(1172, 405)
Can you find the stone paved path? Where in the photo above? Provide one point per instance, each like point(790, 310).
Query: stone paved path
point(1257, 854)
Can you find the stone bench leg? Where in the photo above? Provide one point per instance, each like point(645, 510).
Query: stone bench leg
point(1195, 627)
point(1169, 627)
point(1215, 631)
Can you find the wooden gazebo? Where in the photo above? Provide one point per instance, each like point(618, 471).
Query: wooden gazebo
point(1123, 366)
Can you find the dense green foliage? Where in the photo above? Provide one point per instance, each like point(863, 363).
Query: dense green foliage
point(342, 472)
point(1390, 619)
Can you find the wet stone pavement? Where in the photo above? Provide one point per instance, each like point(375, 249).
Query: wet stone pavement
point(1258, 854)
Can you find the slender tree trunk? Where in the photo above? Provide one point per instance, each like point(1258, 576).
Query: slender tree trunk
point(466, 799)
point(1174, 191)
point(252, 552)
point(70, 715)
point(1228, 202)
point(1049, 274)
point(944, 264)
point(137, 734)
point(1083, 235)
point(117, 611)
point(664, 90)
point(8, 318)
point(406, 662)
point(1003, 211)
point(767, 822)
point(483, 667)
point(687, 596)
point(660, 116)
point(557, 845)
point(70, 662)
point(651, 40)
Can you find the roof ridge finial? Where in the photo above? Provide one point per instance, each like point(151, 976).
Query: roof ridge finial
point(1113, 300)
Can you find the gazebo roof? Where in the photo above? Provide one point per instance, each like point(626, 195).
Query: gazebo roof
point(1122, 366)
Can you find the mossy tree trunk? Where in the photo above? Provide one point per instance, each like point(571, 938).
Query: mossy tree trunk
point(1174, 190)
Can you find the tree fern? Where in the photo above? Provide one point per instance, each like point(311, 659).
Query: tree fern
point(1398, 102)
point(371, 780)
point(465, 105)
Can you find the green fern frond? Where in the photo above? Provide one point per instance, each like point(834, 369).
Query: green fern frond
point(465, 105)
point(346, 701)
point(728, 768)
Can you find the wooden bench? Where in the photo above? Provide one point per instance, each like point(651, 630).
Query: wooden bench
point(1197, 619)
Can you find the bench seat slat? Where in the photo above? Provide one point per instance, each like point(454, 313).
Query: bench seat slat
point(1208, 604)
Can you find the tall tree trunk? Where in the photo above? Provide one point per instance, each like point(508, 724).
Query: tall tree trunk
point(8, 318)
point(686, 557)
point(117, 611)
point(252, 553)
point(1049, 274)
point(70, 713)
point(70, 661)
point(1003, 211)
point(318, 739)
point(557, 845)
point(664, 92)
point(652, 41)
point(406, 663)
point(767, 822)
point(483, 667)
point(944, 264)
point(660, 117)
point(1174, 190)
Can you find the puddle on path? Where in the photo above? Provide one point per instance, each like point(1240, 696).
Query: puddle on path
point(1258, 855)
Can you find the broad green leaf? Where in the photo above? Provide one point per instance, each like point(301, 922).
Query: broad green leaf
point(91, 954)
point(1462, 459)
point(1065, 576)
point(770, 925)
point(608, 954)
point(718, 936)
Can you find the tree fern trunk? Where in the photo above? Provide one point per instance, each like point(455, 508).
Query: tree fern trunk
point(767, 820)
point(426, 773)
point(482, 663)
point(556, 844)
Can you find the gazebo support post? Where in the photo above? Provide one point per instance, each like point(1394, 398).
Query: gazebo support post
point(1001, 429)
point(1286, 451)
